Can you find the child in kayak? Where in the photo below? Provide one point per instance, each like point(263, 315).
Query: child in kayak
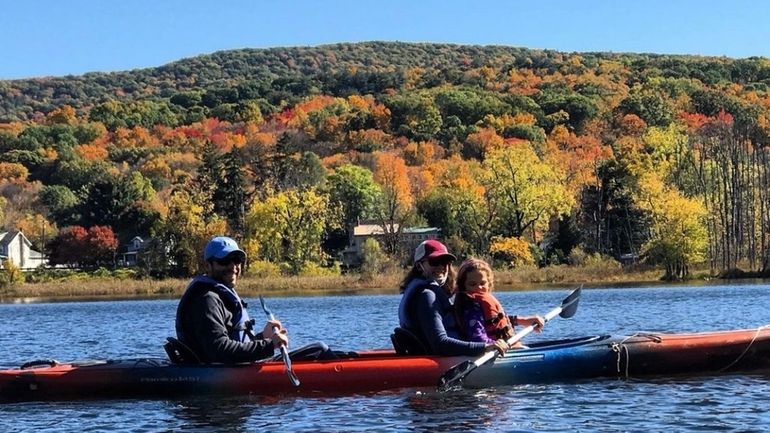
point(479, 313)
point(426, 310)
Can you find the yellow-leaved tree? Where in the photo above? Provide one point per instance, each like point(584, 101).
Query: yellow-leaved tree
point(288, 227)
point(181, 236)
point(529, 191)
point(462, 205)
point(37, 229)
point(514, 252)
point(679, 237)
point(3, 203)
point(10, 275)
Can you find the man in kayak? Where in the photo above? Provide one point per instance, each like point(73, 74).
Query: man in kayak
point(426, 310)
point(211, 318)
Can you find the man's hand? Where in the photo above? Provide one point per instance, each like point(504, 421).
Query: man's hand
point(269, 326)
point(278, 338)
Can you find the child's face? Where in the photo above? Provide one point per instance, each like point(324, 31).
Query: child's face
point(476, 281)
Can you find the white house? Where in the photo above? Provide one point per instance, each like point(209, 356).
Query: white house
point(14, 246)
point(410, 238)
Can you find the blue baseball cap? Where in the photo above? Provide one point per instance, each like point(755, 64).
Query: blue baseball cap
point(221, 247)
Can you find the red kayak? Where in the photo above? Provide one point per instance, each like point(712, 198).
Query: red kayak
point(638, 355)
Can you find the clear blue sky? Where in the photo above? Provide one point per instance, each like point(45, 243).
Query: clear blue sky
point(60, 37)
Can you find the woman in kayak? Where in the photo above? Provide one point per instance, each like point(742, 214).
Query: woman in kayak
point(426, 310)
point(479, 313)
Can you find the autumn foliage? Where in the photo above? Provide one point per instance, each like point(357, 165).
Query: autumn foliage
point(505, 150)
point(91, 248)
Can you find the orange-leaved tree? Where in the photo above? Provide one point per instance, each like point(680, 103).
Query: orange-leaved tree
point(395, 204)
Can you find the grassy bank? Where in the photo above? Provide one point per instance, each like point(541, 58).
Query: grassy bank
point(113, 288)
point(517, 279)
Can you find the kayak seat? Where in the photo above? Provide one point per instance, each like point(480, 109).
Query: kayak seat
point(180, 353)
point(406, 343)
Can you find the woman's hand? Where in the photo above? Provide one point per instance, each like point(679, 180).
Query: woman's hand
point(500, 345)
point(518, 345)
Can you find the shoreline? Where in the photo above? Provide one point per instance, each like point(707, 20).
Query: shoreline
point(553, 277)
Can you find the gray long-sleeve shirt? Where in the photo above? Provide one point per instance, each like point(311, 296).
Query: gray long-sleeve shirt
point(204, 323)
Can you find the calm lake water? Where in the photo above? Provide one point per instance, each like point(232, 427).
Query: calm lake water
point(98, 330)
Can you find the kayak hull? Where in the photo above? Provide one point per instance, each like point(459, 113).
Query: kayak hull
point(637, 355)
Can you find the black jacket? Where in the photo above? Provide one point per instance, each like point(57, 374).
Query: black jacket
point(204, 323)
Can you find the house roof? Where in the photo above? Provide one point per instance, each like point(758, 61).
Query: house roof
point(418, 230)
point(376, 229)
point(370, 229)
point(128, 247)
point(7, 237)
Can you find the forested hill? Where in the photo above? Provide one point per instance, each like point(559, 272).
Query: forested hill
point(526, 157)
point(344, 68)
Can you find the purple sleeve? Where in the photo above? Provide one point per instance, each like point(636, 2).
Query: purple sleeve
point(432, 325)
point(473, 317)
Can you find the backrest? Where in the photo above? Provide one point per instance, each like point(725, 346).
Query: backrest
point(179, 353)
point(406, 343)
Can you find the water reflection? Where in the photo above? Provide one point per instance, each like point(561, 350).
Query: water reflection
point(205, 414)
point(455, 411)
point(249, 413)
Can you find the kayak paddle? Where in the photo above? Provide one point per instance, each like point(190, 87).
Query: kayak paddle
point(456, 374)
point(284, 350)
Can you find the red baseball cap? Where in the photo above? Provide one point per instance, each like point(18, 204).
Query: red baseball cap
point(432, 249)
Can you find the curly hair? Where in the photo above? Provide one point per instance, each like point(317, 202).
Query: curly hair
point(473, 264)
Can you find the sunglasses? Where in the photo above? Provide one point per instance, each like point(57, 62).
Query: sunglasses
point(439, 261)
point(228, 261)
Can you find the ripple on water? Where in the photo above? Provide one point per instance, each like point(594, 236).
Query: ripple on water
point(138, 328)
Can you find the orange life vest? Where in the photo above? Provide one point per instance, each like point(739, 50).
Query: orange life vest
point(496, 322)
